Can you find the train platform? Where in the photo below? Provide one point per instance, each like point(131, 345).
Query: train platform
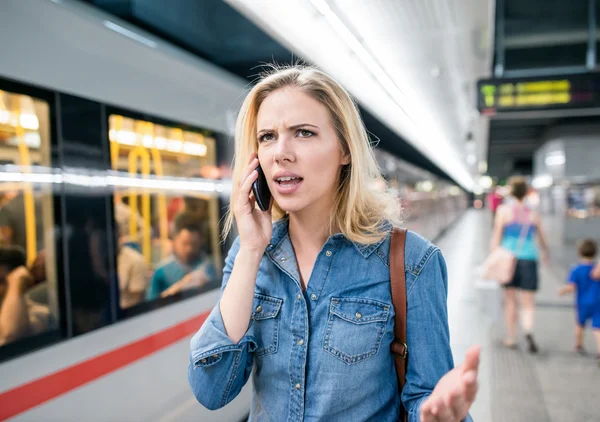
point(554, 385)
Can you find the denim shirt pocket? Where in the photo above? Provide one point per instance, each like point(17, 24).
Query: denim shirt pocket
point(265, 318)
point(354, 328)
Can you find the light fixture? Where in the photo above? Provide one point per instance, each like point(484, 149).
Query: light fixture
point(332, 45)
point(427, 186)
point(486, 182)
point(29, 121)
point(542, 181)
point(126, 137)
point(555, 159)
point(454, 191)
point(411, 107)
point(130, 34)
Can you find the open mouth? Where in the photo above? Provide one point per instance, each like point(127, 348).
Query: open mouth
point(288, 185)
point(288, 181)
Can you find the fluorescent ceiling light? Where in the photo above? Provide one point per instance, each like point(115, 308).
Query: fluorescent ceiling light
point(555, 159)
point(542, 181)
point(130, 34)
point(331, 45)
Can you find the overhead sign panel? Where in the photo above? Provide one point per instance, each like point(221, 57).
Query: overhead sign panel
point(496, 96)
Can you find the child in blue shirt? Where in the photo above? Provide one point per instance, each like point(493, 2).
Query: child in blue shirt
point(588, 293)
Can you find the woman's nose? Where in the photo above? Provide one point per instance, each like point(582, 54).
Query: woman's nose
point(284, 150)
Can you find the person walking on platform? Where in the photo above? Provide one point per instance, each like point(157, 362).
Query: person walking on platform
point(307, 307)
point(516, 228)
point(588, 294)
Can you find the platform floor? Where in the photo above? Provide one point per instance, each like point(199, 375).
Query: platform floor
point(554, 385)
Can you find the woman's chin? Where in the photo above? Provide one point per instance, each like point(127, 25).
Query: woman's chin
point(290, 205)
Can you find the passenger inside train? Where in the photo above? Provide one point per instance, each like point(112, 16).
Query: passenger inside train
point(189, 266)
point(20, 316)
point(12, 220)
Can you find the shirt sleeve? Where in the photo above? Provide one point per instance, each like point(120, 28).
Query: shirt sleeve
point(156, 285)
point(39, 317)
point(138, 281)
point(219, 368)
point(572, 276)
point(427, 335)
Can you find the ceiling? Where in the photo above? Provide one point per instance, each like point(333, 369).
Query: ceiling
point(210, 29)
point(417, 62)
point(430, 53)
point(545, 33)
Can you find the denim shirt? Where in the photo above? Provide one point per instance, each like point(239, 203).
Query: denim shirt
point(324, 353)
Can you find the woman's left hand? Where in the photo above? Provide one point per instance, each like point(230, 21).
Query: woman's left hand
point(454, 393)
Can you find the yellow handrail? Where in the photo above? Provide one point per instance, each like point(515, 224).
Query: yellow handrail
point(162, 199)
point(142, 153)
point(28, 200)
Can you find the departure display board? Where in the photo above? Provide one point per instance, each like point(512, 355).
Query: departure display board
point(497, 96)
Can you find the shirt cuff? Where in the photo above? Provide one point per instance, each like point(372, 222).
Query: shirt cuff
point(211, 341)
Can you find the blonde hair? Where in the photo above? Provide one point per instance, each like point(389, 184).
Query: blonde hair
point(359, 209)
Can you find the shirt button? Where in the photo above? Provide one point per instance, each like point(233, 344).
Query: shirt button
point(215, 356)
point(283, 259)
point(328, 253)
point(358, 315)
point(203, 360)
point(297, 386)
point(259, 309)
point(300, 342)
point(299, 297)
point(313, 296)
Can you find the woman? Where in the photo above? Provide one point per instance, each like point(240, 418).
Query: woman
point(306, 303)
point(516, 228)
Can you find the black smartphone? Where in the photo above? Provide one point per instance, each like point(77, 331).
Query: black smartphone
point(261, 190)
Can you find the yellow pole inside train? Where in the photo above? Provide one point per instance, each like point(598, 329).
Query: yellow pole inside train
point(162, 199)
point(30, 226)
point(140, 152)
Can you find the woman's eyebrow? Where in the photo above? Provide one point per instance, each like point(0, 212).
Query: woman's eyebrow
point(302, 125)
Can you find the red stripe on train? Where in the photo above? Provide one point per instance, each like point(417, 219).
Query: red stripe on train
point(41, 390)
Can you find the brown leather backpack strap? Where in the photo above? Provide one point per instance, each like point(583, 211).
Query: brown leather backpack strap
point(398, 287)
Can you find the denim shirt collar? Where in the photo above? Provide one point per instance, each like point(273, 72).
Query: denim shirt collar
point(281, 233)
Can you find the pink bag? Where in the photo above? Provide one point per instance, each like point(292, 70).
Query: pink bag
point(500, 266)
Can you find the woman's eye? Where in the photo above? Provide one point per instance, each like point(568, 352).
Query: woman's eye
point(266, 137)
point(303, 133)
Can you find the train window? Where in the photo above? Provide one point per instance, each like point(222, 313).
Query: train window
point(29, 304)
point(168, 237)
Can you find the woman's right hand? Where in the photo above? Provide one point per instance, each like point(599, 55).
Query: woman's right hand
point(254, 226)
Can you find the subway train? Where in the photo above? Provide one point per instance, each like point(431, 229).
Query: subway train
point(109, 139)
